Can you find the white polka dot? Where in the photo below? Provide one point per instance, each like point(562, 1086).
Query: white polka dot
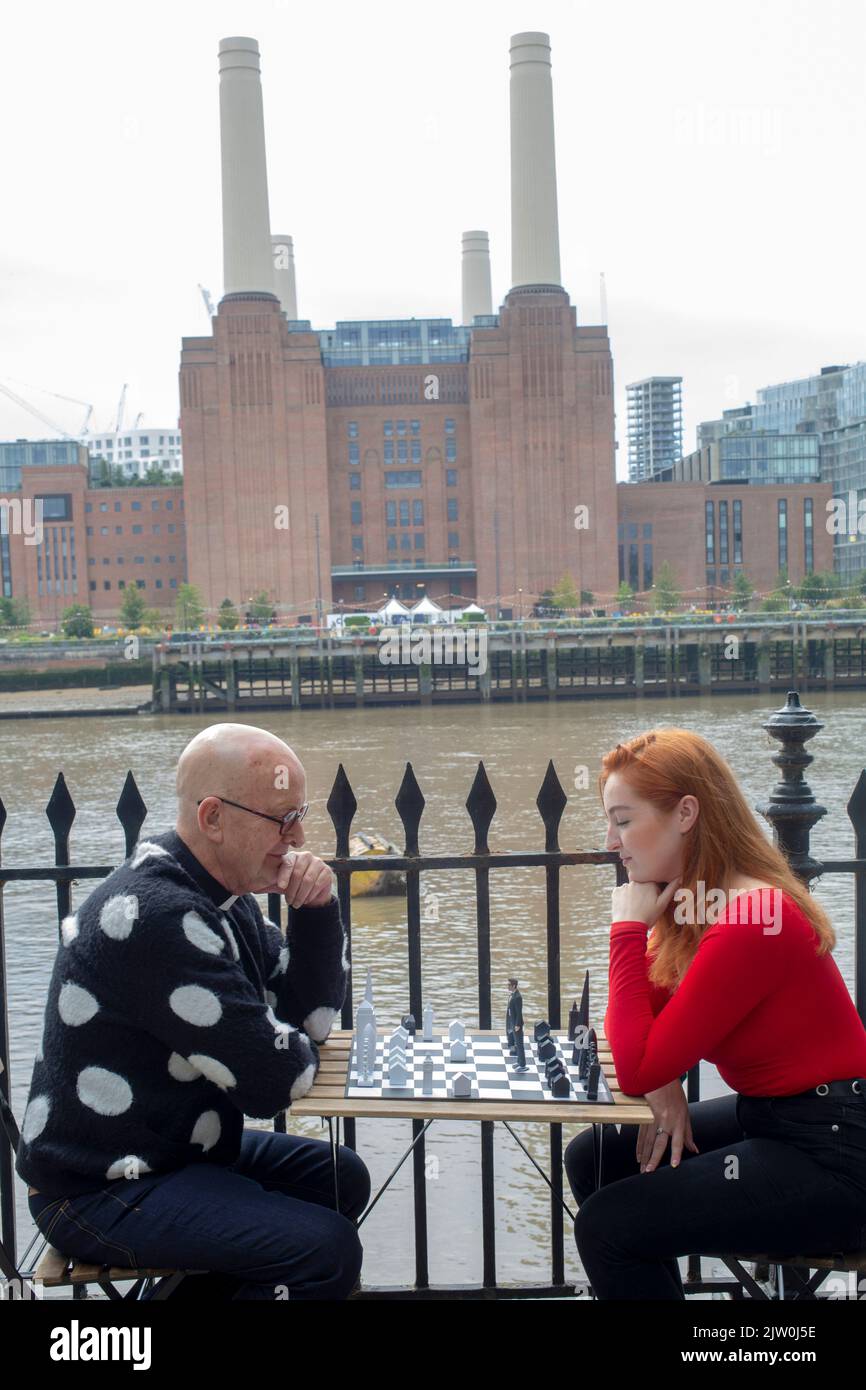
point(215, 1071)
point(206, 1130)
point(147, 850)
point(277, 1023)
point(104, 1091)
point(282, 964)
point(231, 938)
point(69, 929)
point(195, 1004)
point(39, 1055)
point(35, 1118)
point(320, 1022)
point(76, 1005)
point(344, 960)
point(119, 915)
point(303, 1082)
point(196, 931)
point(130, 1166)
point(180, 1068)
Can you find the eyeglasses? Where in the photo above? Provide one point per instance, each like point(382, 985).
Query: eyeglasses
point(284, 822)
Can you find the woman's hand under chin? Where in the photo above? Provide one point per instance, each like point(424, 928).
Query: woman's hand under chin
point(641, 902)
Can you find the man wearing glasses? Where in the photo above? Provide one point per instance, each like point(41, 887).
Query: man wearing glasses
point(175, 1008)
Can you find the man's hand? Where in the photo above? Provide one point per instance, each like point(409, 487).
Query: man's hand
point(304, 880)
point(641, 902)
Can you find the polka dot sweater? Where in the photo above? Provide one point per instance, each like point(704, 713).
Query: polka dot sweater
point(174, 1009)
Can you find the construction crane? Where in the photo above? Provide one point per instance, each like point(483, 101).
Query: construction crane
point(41, 416)
point(120, 404)
point(138, 419)
point(208, 302)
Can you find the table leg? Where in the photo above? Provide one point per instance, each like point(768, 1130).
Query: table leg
point(393, 1173)
point(335, 1157)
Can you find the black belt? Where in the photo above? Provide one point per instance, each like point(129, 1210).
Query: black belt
point(847, 1090)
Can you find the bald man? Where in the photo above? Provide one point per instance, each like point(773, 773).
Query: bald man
point(175, 1009)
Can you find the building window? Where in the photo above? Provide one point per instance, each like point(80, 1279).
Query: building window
point(647, 565)
point(388, 429)
point(352, 429)
point(88, 506)
point(415, 426)
point(390, 513)
point(451, 477)
point(405, 478)
point(405, 540)
point(782, 529)
point(354, 482)
point(93, 586)
point(419, 540)
point(723, 534)
point(449, 426)
point(633, 572)
point(356, 513)
point(403, 451)
point(106, 584)
point(172, 527)
point(118, 530)
point(451, 450)
point(103, 530)
point(121, 583)
point(354, 454)
point(155, 528)
point(709, 524)
point(135, 506)
point(647, 530)
point(401, 427)
point(357, 544)
point(172, 583)
point(117, 506)
point(417, 511)
point(392, 541)
point(808, 535)
point(169, 504)
point(738, 533)
point(89, 530)
point(388, 447)
point(103, 506)
point(404, 511)
point(360, 592)
point(621, 549)
point(416, 450)
point(139, 583)
point(452, 508)
point(137, 530)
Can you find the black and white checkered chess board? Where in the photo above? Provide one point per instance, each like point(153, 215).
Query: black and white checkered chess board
point(490, 1067)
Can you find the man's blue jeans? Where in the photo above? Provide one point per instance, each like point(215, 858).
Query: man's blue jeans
point(265, 1227)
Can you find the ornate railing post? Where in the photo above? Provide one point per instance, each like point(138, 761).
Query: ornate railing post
point(792, 809)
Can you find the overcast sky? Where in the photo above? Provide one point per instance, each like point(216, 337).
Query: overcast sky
point(709, 161)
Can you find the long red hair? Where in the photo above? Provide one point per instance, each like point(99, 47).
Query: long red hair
point(725, 842)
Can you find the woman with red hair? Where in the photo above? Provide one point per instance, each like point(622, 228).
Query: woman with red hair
point(737, 970)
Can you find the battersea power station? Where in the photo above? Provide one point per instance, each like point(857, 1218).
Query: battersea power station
point(389, 457)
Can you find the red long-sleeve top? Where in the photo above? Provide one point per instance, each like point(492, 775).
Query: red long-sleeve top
point(770, 1014)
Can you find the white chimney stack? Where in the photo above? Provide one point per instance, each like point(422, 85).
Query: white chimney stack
point(534, 217)
point(477, 296)
point(284, 275)
point(247, 264)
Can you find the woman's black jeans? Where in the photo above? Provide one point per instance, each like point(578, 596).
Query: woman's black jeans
point(777, 1175)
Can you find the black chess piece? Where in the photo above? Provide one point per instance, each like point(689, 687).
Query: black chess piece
point(572, 1020)
point(408, 1022)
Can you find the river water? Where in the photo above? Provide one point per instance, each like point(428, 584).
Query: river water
point(444, 746)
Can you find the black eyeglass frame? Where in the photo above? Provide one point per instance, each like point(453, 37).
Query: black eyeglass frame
point(284, 822)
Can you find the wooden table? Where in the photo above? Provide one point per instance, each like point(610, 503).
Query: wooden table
point(327, 1099)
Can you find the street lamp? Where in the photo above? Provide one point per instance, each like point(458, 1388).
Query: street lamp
point(520, 603)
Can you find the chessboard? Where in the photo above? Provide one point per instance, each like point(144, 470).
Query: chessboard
point(489, 1065)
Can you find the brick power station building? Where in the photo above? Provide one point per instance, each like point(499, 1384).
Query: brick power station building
point(378, 457)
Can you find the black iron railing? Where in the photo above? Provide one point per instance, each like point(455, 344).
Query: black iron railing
point(791, 811)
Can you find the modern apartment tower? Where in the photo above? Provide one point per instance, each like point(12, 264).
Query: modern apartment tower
point(655, 425)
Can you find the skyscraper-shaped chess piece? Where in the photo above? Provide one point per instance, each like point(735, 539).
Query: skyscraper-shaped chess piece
point(428, 1023)
point(366, 1044)
point(366, 1014)
point(572, 1020)
point(583, 1011)
point(427, 1077)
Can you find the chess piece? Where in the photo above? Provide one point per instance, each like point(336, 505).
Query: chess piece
point(514, 1016)
point(572, 1020)
point(461, 1086)
point(428, 1023)
point(427, 1077)
point(408, 1022)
